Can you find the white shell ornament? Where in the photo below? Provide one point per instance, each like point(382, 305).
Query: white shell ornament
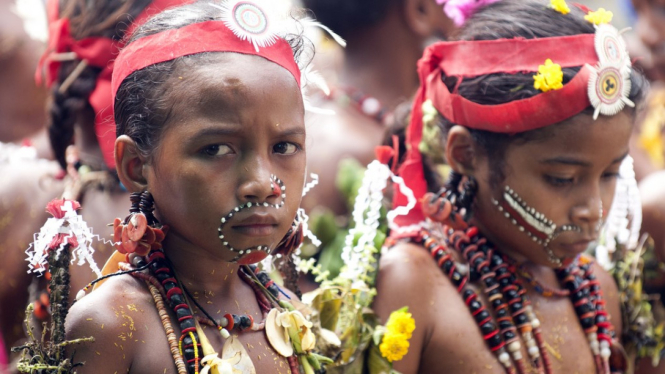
point(609, 82)
point(609, 88)
point(610, 46)
point(248, 20)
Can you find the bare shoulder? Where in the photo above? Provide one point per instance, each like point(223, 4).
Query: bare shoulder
point(409, 277)
point(113, 315)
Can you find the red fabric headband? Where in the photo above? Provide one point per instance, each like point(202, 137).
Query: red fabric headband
point(209, 36)
point(98, 52)
point(475, 58)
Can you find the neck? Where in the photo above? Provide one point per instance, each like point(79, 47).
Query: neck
point(199, 271)
point(381, 62)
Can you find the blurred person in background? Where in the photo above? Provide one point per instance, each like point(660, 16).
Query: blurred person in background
point(375, 72)
point(84, 39)
point(22, 37)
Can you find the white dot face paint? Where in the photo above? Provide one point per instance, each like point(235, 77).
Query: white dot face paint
point(534, 224)
point(257, 253)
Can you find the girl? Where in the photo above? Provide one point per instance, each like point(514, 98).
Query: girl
point(210, 124)
point(535, 99)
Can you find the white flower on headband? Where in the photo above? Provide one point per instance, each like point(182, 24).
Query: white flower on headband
point(260, 22)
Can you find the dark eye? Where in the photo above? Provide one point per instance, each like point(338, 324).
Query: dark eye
point(558, 182)
point(285, 148)
point(217, 150)
point(611, 175)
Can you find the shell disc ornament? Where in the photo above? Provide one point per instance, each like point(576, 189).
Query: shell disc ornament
point(609, 82)
point(249, 21)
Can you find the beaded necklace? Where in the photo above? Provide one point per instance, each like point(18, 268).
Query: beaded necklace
point(513, 312)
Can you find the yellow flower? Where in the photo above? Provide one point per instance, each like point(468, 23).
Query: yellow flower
point(651, 135)
point(599, 17)
point(401, 322)
point(394, 346)
point(549, 77)
point(560, 6)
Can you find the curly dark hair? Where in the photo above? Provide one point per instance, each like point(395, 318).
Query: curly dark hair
point(109, 18)
point(507, 19)
point(141, 108)
point(346, 17)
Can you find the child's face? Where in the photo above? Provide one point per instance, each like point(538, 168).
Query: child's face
point(568, 178)
point(651, 28)
point(233, 125)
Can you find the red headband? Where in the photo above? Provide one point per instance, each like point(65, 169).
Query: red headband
point(98, 52)
point(209, 36)
point(465, 59)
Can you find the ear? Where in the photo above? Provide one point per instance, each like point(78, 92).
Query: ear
point(130, 164)
point(461, 152)
point(426, 18)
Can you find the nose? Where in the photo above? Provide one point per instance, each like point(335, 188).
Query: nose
point(257, 184)
point(588, 215)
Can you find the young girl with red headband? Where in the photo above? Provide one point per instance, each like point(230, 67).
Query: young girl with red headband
point(534, 104)
point(209, 113)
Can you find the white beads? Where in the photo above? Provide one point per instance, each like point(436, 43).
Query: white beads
point(534, 352)
point(80, 295)
point(504, 358)
point(605, 351)
point(535, 323)
point(225, 333)
point(593, 343)
point(514, 347)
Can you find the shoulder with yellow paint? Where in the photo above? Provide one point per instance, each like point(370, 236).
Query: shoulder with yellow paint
point(128, 334)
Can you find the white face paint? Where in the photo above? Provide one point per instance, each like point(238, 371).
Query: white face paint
point(536, 225)
point(256, 253)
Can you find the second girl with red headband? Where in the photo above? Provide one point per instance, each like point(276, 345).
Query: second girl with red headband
point(535, 103)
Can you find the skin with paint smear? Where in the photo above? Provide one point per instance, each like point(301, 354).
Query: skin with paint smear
point(567, 174)
point(235, 121)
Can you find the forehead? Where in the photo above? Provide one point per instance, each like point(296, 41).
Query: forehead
point(595, 141)
point(233, 86)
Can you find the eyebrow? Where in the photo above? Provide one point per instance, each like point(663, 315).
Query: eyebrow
point(219, 131)
point(576, 162)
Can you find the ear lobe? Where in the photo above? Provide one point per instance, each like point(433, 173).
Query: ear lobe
point(461, 154)
point(130, 164)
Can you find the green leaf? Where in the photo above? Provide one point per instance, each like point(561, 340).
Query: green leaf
point(376, 363)
point(329, 313)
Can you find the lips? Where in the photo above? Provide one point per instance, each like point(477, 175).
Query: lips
point(256, 224)
point(576, 247)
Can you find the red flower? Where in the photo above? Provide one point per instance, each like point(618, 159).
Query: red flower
point(57, 241)
point(56, 205)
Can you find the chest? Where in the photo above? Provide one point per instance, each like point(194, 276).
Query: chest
point(457, 345)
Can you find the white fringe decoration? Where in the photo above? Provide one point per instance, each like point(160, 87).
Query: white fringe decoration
point(71, 224)
point(624, 219)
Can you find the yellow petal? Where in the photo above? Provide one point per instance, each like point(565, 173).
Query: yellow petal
point(308, 340)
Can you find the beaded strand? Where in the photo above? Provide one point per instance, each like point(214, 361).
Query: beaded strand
point(498, 277)
point(482, 317)
point(479, 268)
